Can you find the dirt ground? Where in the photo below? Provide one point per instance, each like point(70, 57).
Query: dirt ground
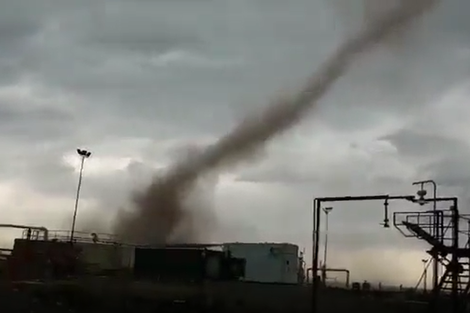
point(104, 295)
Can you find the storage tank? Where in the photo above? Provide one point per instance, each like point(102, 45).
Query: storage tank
point(267, 262)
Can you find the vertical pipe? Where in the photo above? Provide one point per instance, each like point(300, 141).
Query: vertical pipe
point(314, 223)
point(436, 234)
point(316, 232)
point(312, 267)
point(77, 198)
point(435, 299)
point(455, 257)
point(425, 279)
point(325, 252)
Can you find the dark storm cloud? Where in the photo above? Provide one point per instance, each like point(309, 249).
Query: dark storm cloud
point(35, 123)
point(415, 143)
point(116, 54)
point(284, 175)
point(18, 21)
point(453, 176)
point(114, 49)
point(452, 170)
point(33, 135)
point(403, 80)
point(454, 23)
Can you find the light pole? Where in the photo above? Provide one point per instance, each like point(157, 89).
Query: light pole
point(425, 284)
point(327, 211)
point(84, 154)
point(436, 232)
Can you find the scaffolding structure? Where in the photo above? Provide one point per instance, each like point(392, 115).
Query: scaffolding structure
point(448, 234)
point(444, 229)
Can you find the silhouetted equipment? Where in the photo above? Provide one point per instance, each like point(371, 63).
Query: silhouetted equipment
point(430, 226)
point(386, 222)
point(38, 259)
point(36, 232)
point(94, 237)
point(435, 230)
point(366, 286)
point(445, 247)
point(317, 204)
point(356, 286)
point(336, 270)
point(302, 273)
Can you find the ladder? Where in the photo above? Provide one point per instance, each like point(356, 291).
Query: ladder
point(454, 284)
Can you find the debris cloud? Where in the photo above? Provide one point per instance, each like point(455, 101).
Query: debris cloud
point(160, 209)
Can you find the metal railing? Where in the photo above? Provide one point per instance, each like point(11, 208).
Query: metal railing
point(64, 236)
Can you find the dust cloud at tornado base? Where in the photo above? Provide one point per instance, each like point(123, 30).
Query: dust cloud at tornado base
point(170, 208)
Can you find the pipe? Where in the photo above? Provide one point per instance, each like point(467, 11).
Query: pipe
point(455, 258)
point(40, 228)
point(316, 229)
point(315, 248)
point(309, 270)
point(341, 270)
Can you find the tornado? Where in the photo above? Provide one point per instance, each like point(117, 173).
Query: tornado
point(158, 211)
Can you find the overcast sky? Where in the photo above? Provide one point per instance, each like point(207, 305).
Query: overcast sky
point(136, 81)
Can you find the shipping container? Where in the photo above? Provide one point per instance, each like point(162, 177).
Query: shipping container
point(267, 262)
point(185, 264)
point(171, 264)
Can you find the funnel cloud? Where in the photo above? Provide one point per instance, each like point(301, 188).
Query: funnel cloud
point(159, 211)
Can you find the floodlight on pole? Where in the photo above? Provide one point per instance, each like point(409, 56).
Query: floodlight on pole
point(436, 231)
point(84, 154)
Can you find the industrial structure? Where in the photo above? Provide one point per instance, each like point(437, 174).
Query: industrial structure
point(174, 270)
point(57, 257)
point(444, 229)
point(255, 276)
